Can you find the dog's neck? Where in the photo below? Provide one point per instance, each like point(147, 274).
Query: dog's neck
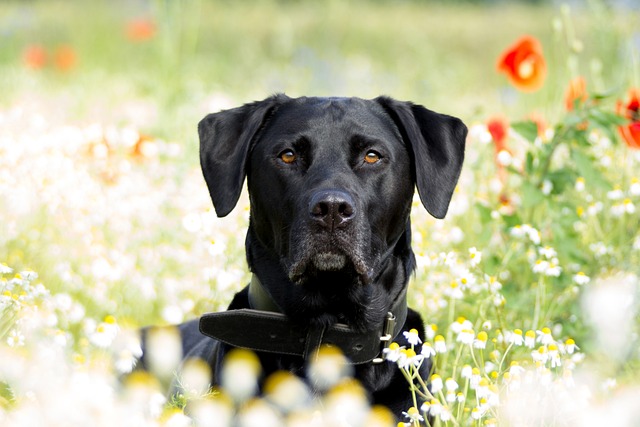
point(259, 298)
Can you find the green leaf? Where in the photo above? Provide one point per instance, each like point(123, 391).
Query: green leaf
point(513, 170)
point(606, 94)
point(527, 129)
point(485, 213)
point(589, 171)
point(581, 138)
point(607, 121)
point(512, 220)
point(528, 165)
point(561, 179)
point(531, 195)
point(572, 120)
point(607, 118)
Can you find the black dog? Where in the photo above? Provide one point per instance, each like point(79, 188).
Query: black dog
point(331, 181)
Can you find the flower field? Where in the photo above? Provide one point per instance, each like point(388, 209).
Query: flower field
point(530, 287)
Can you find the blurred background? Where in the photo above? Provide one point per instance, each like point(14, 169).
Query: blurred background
point(162, 64)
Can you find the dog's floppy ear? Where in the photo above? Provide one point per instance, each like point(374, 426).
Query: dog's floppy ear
point(436, 143)
point(225, 141)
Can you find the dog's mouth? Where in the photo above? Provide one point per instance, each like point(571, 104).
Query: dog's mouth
point(329, 261)
point(334, 263)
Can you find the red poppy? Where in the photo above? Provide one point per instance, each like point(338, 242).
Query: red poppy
point(65, 58)
point(524, 64)
point(541, 124)
point(631, 110)
point(139, 30)
point(35, 57)
point(576, 92)
point(498, 127)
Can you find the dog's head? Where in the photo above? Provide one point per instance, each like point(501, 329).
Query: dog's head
point(331, 181)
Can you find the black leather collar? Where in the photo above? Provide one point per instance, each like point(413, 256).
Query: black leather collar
point(268, 330)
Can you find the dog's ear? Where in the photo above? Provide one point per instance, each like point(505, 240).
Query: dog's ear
point(225, 141)
point(436, 143)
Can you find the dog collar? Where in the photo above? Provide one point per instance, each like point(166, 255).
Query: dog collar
point(268, 330)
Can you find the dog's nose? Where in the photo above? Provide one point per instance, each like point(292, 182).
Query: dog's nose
point(332, 209)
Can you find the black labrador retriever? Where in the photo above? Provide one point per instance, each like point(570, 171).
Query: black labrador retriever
point(331, 182)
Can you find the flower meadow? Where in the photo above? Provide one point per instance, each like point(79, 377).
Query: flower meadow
point(530, 288)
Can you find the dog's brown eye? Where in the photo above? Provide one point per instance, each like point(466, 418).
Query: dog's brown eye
point(371, 157)
point(288, 156)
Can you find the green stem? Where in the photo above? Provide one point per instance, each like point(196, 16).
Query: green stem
point(546, 165)
point(500, 319)
point(462, 404)
point(413, 393)
point(455, 363)
point(426, 393)
point(507, 257)
point(539, 301)
point(481, 359)
point(451, 315)
point(504, 356)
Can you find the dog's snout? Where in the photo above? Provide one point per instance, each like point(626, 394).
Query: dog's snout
point(332, 209)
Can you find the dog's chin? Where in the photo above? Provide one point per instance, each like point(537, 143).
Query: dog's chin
point(335, 266)
point(329, 261)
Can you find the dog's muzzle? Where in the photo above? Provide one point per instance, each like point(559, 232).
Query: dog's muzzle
point(328, 239)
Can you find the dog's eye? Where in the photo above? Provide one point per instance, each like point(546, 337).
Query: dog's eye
point(372, 157)
point(288, 156)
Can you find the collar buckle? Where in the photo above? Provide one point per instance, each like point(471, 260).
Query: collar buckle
point(388, 332)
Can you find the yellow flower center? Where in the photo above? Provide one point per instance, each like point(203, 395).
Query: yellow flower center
point(526, 68)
